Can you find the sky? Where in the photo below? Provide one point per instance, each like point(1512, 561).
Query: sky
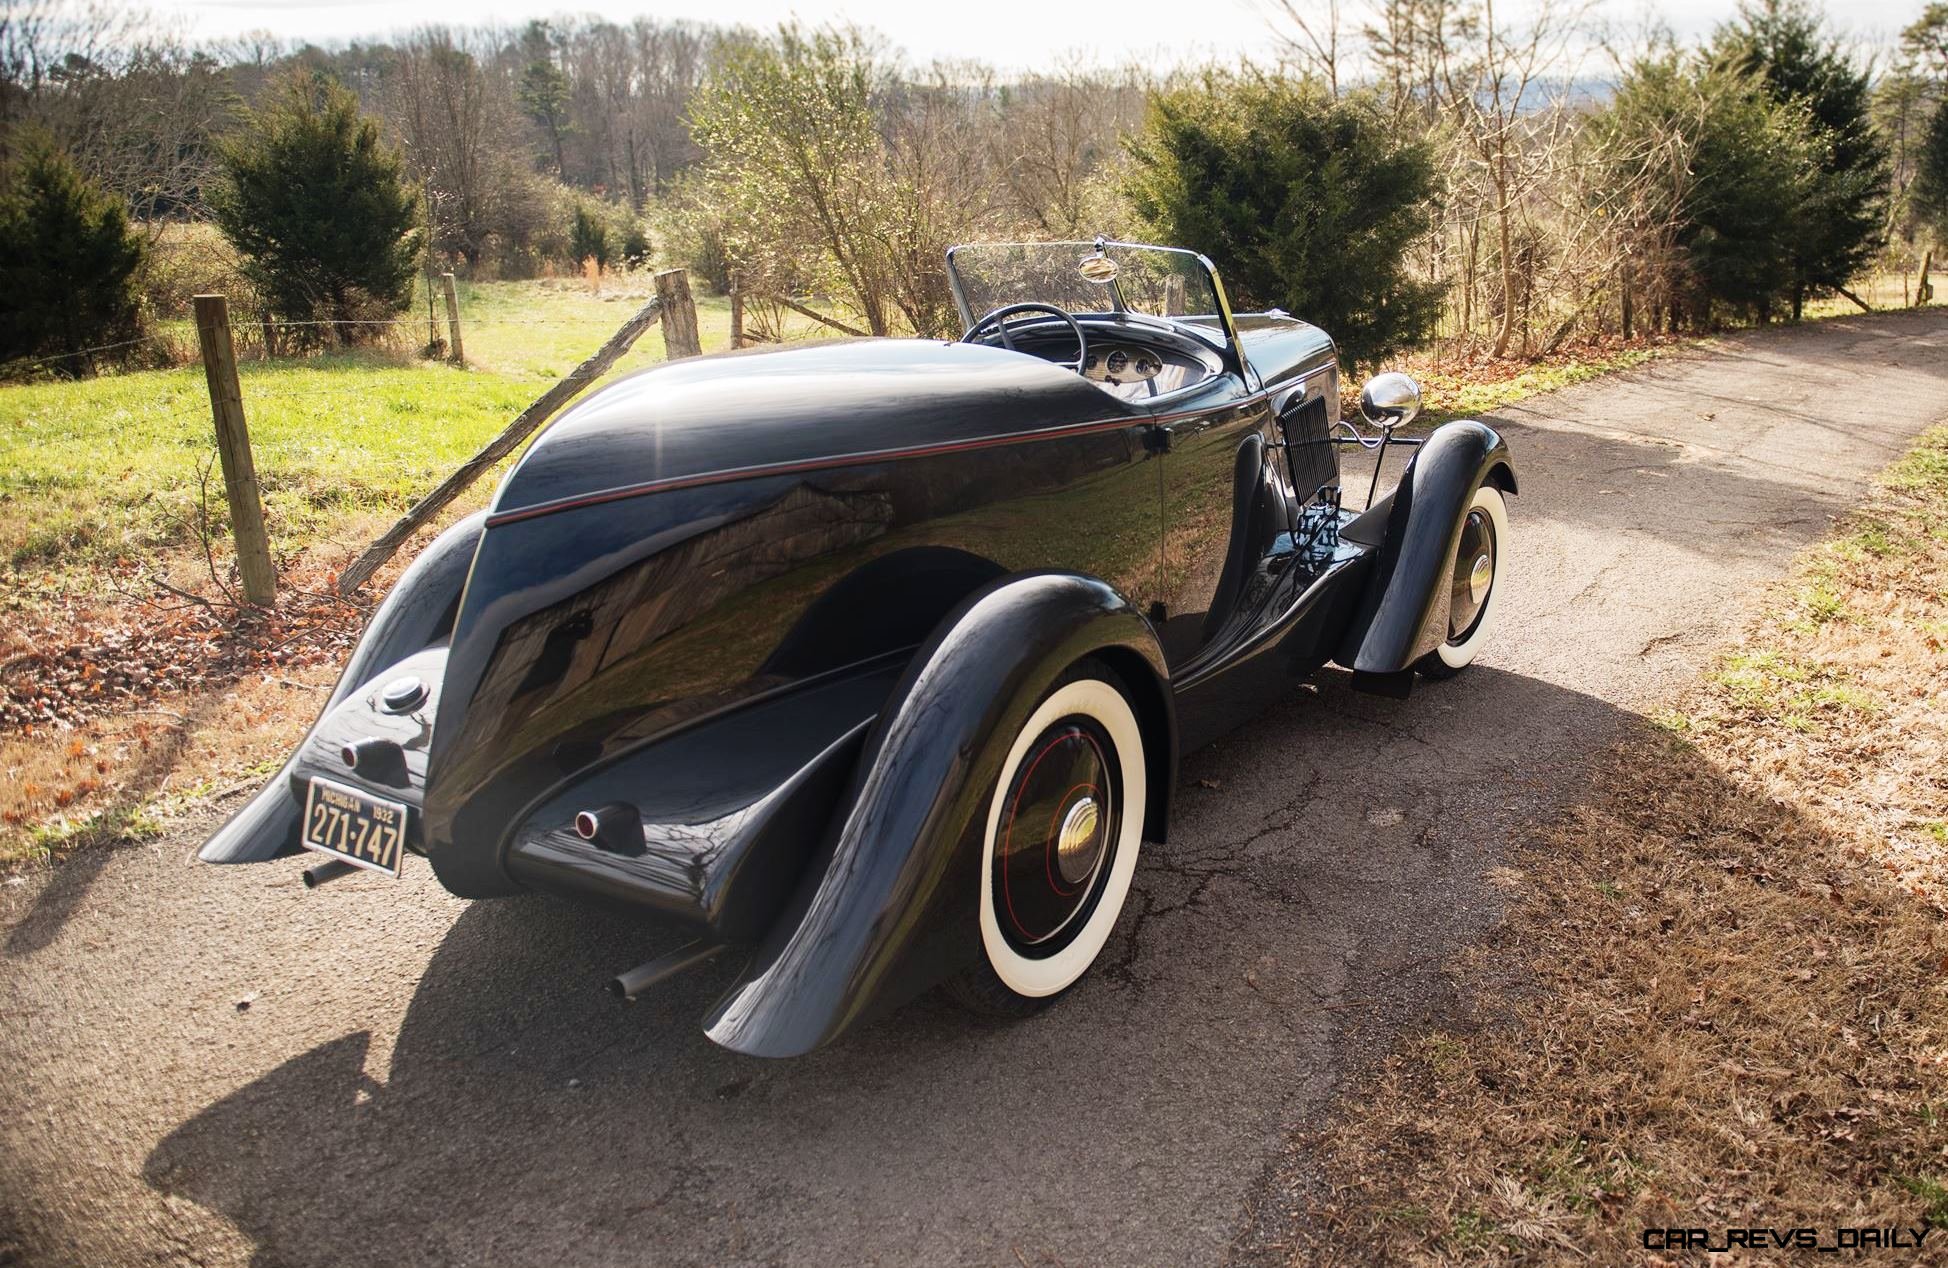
point(1011, 34)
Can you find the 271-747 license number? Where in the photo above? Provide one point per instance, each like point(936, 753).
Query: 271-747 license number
point(365, 831)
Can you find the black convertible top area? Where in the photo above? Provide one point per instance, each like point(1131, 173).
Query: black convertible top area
point(822, 404)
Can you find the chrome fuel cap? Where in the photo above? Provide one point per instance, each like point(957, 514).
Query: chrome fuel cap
point(403, 695)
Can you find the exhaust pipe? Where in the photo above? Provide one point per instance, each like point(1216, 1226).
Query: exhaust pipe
point(616, 827)
point(669, 964)
point(329, 870)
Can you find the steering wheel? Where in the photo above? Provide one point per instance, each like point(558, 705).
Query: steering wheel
point(999, 320)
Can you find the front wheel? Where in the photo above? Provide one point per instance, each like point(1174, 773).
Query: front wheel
point(1063, 830)
point(1474, 585)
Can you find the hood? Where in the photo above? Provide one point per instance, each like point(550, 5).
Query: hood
point(822, 404)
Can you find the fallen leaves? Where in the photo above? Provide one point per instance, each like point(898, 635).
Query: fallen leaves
point(80, 667)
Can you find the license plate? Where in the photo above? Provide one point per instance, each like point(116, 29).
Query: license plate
point(365, 831)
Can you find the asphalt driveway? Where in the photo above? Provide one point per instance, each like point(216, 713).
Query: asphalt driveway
point(213, 1065)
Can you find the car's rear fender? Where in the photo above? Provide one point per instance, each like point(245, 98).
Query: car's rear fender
point(890, 905)
point(416, 614)
point(1404, 613)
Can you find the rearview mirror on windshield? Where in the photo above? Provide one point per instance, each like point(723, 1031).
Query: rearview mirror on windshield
point(1098, 268)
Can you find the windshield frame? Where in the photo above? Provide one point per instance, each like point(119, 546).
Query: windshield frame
point(1227, 328)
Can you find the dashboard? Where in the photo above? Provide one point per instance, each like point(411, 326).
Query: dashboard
point(1133, 359)
point(1138, 370)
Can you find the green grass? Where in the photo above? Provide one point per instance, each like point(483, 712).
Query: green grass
point(1453, 394)
point(1923, 470)
point(1775, 685)
point(1934, 1196)
point(1567, 1175)
point(64, 834)
point(1470, 1233)
point(107, 467)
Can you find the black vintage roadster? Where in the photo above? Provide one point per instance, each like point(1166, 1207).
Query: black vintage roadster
point(872, 660)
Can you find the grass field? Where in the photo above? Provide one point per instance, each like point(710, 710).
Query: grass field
point(96, 470)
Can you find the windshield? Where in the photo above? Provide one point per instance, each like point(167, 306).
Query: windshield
point(1087, 277)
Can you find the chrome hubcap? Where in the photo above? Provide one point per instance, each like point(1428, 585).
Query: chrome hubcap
point(1056, 835)
point(1480, 577)
point(1076, 843)
point(1474, 576)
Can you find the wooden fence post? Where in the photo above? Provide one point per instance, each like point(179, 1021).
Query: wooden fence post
point(679, 314)
point(457, 356)
point(233, 447)
point(737, 312)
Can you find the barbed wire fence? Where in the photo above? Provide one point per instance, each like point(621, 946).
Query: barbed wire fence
point(176, 348)
point(171, 340)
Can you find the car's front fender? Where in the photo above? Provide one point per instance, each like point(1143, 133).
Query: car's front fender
point(1405, 610)
point(890, 906)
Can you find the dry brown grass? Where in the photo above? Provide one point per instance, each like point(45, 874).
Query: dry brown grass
point(1720, 998)
point(126, 777)
point(123, 705)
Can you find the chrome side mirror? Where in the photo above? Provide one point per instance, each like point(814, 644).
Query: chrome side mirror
point(1390, 400)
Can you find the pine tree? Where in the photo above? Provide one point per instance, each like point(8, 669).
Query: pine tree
point(544, 89)
point(1715, 175)
point(588, 237)
point(1926, 42)
point(1931, 179)
point(319, 207)
point(68, 263)
point(1306, 202)
point(1843, 224)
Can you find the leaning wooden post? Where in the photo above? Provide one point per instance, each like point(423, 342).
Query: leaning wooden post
point(499, 447)
point(458, 357)
point(233, 447)
point(679, 314)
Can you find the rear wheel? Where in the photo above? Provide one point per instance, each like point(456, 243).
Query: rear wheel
point(1063, 830)
point(1474, 584)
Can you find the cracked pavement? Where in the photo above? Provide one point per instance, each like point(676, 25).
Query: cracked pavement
point(416, 1079)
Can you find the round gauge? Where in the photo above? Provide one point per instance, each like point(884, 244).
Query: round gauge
point(1148, 367)
point(1119, 360)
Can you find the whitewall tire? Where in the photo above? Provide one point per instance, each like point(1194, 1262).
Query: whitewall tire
point(1064, 827)
point(1475, 584)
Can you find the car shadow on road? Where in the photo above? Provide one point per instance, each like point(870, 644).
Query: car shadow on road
point(519, 1107)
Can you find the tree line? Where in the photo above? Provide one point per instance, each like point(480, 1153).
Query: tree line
point(1399, 171)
